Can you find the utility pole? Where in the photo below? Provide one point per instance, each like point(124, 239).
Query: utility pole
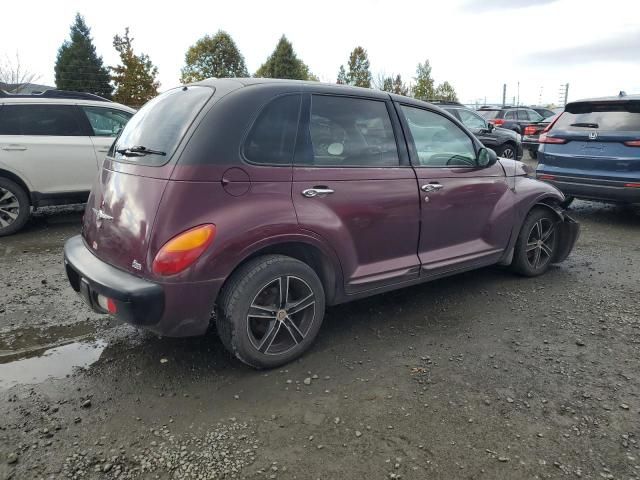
point(566, 93)
point(563, 94)
point(504, 94)
point(518, 104)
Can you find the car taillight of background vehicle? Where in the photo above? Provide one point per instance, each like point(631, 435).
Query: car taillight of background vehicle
point(530, 130)
point(544, 138)
point(183, 250)
point(632, 143)
point(497, 121)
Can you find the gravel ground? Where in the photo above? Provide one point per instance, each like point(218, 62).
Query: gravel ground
point(480, 376)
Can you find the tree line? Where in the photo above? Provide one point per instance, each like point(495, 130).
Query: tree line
point(134, 80)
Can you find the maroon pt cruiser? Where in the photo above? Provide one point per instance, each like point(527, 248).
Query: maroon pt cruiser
point(258, 202)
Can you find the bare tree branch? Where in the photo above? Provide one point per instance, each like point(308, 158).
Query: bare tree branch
point(15, 75)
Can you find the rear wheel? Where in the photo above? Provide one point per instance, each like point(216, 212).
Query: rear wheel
point(270, 311)
point(15, 207)
point(536, 244)
point(507, 150)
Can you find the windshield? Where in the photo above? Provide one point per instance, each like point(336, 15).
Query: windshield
point(159, 126)
point(489, 114)
point(610, 117)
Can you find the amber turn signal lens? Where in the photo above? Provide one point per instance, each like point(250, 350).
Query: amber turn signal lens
point(183, 250)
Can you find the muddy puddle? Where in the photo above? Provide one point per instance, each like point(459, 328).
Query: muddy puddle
point(44, 364)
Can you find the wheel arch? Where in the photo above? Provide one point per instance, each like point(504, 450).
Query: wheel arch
point(325, 267)
point(15, 178)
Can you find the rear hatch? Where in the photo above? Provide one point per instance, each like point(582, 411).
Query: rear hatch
point(601, 139)
point(123, 204)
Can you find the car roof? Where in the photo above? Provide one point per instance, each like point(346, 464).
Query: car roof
point(34, 99)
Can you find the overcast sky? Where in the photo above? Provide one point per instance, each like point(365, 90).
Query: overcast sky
point(477, 45)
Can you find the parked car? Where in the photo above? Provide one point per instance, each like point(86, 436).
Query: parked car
point(51, 145)
point(592, 150)
point(531, 134)
point(263, 201)
point(513, 118)
point(506, 143)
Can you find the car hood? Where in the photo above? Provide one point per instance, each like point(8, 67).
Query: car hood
point(515, 168)
point(505, 131)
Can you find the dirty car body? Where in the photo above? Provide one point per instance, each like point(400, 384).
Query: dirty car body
point(266, 200)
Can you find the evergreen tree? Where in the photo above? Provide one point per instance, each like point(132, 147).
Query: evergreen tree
point(342, 76)
point(387, 84)
point(359, 74)
point(445, 91)
point(283, 63)
point(399, 87)
point(423, 88)
point(78, 67)
point(393, 84)
point(216, 56)
point(135, 79)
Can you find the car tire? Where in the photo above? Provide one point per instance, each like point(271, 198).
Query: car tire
point(271, 334)
point(536, 244)
point(568, 200)
point(15, 207)
point(507, 150)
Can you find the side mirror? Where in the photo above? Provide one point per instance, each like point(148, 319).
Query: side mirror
point(486, 157)
point(490, 127)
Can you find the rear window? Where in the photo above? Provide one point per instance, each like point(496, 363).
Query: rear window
point(489, 114)
point(160, 125)
point(609, 117)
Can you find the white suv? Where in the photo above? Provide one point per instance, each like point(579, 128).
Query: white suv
point(51, 146)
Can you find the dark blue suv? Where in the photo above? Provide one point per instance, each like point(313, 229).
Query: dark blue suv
point(592, 151)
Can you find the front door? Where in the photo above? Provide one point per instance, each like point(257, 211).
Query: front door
point(466, 209)
point(350, 187)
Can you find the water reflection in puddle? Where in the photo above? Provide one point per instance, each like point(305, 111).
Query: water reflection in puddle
point(56, 362)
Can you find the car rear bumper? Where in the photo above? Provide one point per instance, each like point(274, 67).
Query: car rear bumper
point(170, 309)
point(592, 188)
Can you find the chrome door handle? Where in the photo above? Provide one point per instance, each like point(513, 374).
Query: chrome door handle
point(315, 192)
point(14, 148)
point(431, 187)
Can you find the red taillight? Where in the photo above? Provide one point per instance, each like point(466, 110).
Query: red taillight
point(546, 139)
point(632, 143)
point(632, 185)
point(111, 306)
point(530, 130)
point(183, 250)
point(546, 177)
point(497, 121)
point(107, 304)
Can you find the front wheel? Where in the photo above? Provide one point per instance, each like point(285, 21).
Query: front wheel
point(15, 208)
point(270, 311)
point(536, 244)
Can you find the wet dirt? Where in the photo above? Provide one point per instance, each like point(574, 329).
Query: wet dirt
point(484, 375)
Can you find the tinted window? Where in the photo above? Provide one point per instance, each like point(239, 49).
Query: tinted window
point(51, 120)
point(471, 120)
point(534, 116)
point(106, 122)
point(522, 115)
point(438, 141)
point(161, 124)
point(609, 118)
point(272, 138)
point(489, 114)
point(351, 132)
point(510, 115)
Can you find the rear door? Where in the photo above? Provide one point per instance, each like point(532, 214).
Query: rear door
point(106, 124)
point(49, 145)
point(353, 186)
point(602, 141)
point(466, 210)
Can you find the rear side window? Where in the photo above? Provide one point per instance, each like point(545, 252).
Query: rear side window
point(510, 115)
point(606, 117)
point(160, 125)
point(40, 120)
point(106, 122)
point(272, 138)
point(350, 132)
